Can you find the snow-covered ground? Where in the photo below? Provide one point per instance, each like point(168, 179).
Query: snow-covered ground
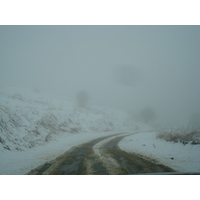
point(182, 158)
point(35, 128)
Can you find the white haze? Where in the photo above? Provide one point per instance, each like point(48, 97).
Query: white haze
point(126, 67)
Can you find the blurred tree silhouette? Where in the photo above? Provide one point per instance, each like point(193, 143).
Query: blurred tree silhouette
point(82, 98)
point(147, 115)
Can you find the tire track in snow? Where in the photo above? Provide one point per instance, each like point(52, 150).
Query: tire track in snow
point(100, 156)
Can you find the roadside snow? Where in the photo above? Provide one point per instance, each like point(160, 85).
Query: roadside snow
point(182, 158)
point(21, 162)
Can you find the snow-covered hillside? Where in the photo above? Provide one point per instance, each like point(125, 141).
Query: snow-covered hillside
point(36, 128)
point(29, 119)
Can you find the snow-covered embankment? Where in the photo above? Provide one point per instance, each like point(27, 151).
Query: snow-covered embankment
point(180, 157)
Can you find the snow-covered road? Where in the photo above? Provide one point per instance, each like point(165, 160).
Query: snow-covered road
point(21, 162)
point(99, 157)
point(182, 158)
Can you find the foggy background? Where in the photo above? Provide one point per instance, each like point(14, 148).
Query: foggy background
point(125, 67)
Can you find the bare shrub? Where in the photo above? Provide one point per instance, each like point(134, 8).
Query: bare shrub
point(48, 137)
point(168, 136)
point(182, 136)
point(75, 130)
point(2, 140)
point(17, 96)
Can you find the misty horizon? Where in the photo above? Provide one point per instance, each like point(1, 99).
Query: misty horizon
point(125, 67)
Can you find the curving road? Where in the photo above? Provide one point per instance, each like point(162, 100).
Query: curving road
point(101, 156)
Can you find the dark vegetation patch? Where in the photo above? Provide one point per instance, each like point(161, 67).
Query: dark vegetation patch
point(181, 136)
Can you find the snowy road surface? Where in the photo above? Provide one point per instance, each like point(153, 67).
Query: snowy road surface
point(100, 156)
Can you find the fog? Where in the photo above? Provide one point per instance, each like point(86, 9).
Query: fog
point(125, 67)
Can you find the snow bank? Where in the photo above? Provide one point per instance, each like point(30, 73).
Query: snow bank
point(182, 158)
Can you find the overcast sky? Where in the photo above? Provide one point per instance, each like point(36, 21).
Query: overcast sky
point(129, 67)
